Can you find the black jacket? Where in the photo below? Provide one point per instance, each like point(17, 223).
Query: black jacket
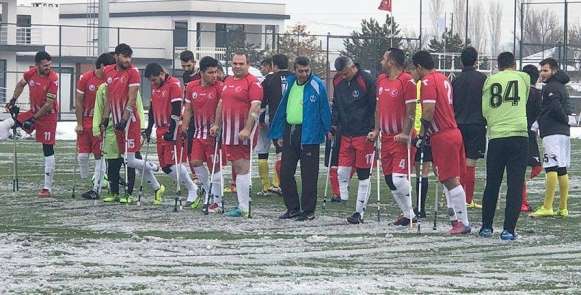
point(533, 106)
point(467, 92)
point(555, 109)
point(274, 86)
point(354, 104)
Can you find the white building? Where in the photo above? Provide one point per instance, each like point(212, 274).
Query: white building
point(156, 30)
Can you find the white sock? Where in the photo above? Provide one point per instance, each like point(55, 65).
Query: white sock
point(202, 174)
point(217, 187)
point(451, 211)
point(402, 193)
point(243, 191)
point(458, 200)
point(49, 165)
point(150, 167)
point(186, 180)
point(5, 128)
point(344, 175)
point(99, 173)
point(83, 159)
point(362, 196)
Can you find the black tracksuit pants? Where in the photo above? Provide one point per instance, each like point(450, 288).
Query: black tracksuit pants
point(510, 153)
point(308, 155)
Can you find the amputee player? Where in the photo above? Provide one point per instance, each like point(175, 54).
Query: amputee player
point(395, 111)
point(446, 140)
point(236, 114)
point(353, 113)
point(87, 143)
point(123, 80)
point(165, 111)
point(202, 98)
point(43, 114)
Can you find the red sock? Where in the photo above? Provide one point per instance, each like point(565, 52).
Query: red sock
point(334, 179)
point(468, 183)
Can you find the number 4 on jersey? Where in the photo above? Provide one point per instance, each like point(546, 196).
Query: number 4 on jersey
point(510, 94)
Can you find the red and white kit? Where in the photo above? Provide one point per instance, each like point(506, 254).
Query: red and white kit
point(39, 86)
point(87, 86)
point(392, 98)
point(237, 96)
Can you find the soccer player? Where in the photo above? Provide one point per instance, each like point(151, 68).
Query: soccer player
point(424, 172)
point(395, 114)
point(504, 103)
point(467, 90)
point(87, 87)
point(202, 98)
point(43, 88)
point(165, 111)
point(188, 63)
point(123, 82)
point(533, 111)
point(236, 114)
point(446, 140)
point(274, 88)
point(263, 144)
point(554, 125)
point(353, 113)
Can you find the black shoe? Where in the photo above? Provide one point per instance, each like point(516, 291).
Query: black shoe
point(355, 218)
point(289, 214)
point(401, 221)
point(337, 199)
point(306, 216)
point(90, 195)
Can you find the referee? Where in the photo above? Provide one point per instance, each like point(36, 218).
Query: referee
point(504, 102)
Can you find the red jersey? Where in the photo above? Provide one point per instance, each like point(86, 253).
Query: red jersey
point(118, 83)
point(437, 89)
point(39, 87)
point(392, 97)
point(204, 101)
point(161, 99)
point(237, 96)
point(87, 86)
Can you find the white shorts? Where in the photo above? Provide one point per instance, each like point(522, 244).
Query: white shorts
point(556, 151)
point(263, 144)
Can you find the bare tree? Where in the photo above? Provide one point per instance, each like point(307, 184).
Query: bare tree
point(437, 10)
point(541, 30)
point(477, 26)
point(495, 26)
point(460, 17)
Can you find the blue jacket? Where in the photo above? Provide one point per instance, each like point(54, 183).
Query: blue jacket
point(316, 112)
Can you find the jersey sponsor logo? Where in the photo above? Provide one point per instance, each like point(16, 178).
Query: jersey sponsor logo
point(92, 87)
point(395, 92)
point(194, 95)
point(356, 93)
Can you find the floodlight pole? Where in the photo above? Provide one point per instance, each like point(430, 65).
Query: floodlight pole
point(103, 35)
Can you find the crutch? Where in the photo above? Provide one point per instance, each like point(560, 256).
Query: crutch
point(378, 143)
point(140, 194)
point(409, 163)
point(101, 163)
point(76, 155)
point(250, 169)
point(15, 185)
point(126, 187)
point(332, 142)
point(209, 193)
point(178, 187)
point(222, 181)
point(419, 176)
point(436, 209)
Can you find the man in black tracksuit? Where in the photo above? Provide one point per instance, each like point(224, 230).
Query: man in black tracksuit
point(554, 124)
point(467, 92)
point(354, 114)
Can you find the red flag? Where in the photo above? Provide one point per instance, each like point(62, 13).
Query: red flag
point(385, 5)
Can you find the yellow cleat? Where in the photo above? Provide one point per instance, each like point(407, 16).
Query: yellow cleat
point(474, 205)
point(543, 212)
point(158, 197)
point(563, 213)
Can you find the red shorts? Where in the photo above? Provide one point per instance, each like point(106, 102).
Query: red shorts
point(165, 149)
point(236, 152)
point(203, 150)
point(355, 152)
point(394, 156)
point(133, 136)
point(86, 142)
point(45, 127)
point(448, 154)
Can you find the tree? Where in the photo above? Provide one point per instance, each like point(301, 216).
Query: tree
point(368, 45)
point(477, 26)
point(460, 17)
point(449, 43)
point(437, 10)
point(298, 41)
point(541, 30)
point(495, 26)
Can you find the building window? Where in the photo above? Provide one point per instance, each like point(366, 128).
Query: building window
point(23, 29)
point(269, 31)
point(3, 75)
point(230, 35)
point(180, 34)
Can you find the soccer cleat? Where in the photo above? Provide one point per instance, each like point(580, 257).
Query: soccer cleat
point(126, 199)
point(337, 199)
point(195, 204)
point(236, 212)
point(90, 195)
point(275, 190)
point(109, 198)
point(215, 208)
point(306, 216)
point(158, 196)
point(563, 213)
point(485, 232)
point(289, 215)
point(507, 236)
point(401, 221)
point(543, 212)
point(262, 194)
point(44, 193)
point(474, 205)
point(458, 228)
point(355, 218)
point(525, 208)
